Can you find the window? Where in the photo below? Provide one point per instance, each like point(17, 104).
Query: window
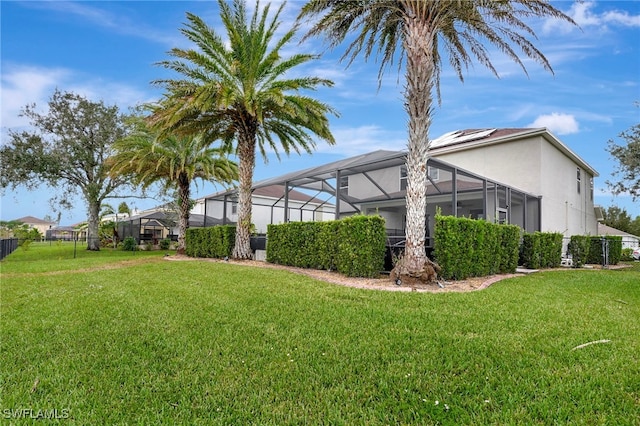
point(344, 182)
point(591, 187)
point(234, 208)
point(434, 173)
point(578, 180)
point(403, 178)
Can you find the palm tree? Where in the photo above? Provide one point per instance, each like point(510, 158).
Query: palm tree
point(173, 161)
point(243, 92)
point(415, 33)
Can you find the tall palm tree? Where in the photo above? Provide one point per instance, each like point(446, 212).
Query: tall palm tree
point(415, 33)
point(242, 91)
point(173, 161)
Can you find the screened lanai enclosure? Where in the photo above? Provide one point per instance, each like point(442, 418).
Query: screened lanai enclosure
point(155, 226)
point(375, 183)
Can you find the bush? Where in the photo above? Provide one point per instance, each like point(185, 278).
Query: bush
point(578, 248)
point(626, 254)
point(129, 244)
point(541, 250)
point(165, 244)
point(596, 250)
point(469, 248)
point(216, 241)
point(355, 246)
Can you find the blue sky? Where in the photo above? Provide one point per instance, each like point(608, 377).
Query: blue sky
point(107, 51)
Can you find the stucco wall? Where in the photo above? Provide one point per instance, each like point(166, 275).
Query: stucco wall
point(536, 166)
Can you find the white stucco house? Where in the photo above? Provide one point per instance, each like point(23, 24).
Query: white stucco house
point(526, 177)
point(523, 176)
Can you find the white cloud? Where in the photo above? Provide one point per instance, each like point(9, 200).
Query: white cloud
point(359, 140)
point(562, 124)
point(25, 84)
point(584, 15)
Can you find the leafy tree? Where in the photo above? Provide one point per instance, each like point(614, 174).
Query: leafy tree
point(173, 161)
point(7, 228)
point(26, 233)
point(67, 151)
point(618, 218)
point(422, 31)
point(634, 228)
point(244, 92)
point(628, 158)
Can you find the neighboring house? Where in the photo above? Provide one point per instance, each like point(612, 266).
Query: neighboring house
point(628, 240)
point(64, 233)
point(269, 205)
point(33, 222)
point(526, 177)
point(156, 224)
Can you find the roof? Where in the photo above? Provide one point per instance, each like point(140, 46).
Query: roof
point(33, 221)
point(169, 219)
point(314, 178)
point(461, 140)
point(271, 191)
point(608, 230)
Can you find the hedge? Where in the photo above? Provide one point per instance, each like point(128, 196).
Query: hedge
point(354, 246)
point(216, 241)
point(578, 248)
point(470, 248)
point(595, 249)
point(541, 250)
point(587, 249)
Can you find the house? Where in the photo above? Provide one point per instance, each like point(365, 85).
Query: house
point(33, 222)
point(628, 240)
point(534, 161)
point(153, 225)
point(526, 177)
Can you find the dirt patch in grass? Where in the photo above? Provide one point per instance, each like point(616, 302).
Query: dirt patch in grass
point(381, 283)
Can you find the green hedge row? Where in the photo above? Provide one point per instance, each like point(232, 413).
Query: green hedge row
point(615, 249)
point(586, 249)
point(471, 248)
point(541, 250)
point(354, 246)
point(578, 249)
point(216, 241)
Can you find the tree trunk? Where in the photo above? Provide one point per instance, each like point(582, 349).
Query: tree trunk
point(184, 189)
point(93, 224)
point(419, 45)
point(247, 157)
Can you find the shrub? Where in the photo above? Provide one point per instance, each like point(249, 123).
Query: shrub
point(361, 246)
point(626, 254)
point(165, 244)
point(129, 244)
point(578, 248)
point(614, 244)
point(216, 241)
point(466, 247)
point(541, 250)
point(355, 246)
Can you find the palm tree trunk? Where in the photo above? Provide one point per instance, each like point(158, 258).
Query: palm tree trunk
point(418, 43)
point(184, 189)
point(247, 157)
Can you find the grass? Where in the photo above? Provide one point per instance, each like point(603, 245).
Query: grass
point(149, 341)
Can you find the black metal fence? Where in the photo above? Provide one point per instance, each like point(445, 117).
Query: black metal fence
point(7, 246)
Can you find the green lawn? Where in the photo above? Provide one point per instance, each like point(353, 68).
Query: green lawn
point(122, 338)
